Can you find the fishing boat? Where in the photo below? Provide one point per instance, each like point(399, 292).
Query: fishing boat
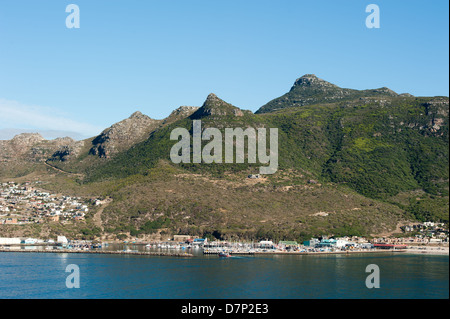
point(224, 255)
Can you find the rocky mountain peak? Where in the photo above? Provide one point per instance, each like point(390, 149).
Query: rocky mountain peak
point(138, 115)
point(32, 147)
point(310, 90)
point(214, 106)
point(27, 138)
point(213, 100)
point(386, 91)
point(311, 80)
point(123, 134)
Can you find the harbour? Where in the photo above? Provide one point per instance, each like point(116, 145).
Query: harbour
point(201, 246)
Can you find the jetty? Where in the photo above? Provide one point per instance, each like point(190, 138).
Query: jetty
point(102, 252)
point(209, 251)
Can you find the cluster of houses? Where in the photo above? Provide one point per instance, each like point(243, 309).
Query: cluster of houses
point(23, 203)
point(428, 233)
point(347, 243)
point(342, 243)
point(431, 231)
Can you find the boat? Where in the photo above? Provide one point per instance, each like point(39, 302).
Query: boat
point(224, 255)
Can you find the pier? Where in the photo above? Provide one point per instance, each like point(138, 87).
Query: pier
point(104, 252)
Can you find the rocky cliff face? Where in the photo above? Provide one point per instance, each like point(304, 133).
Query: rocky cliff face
point(123, 135)
point(34, 148)
point(67, 149)
point(180, 113)
point(437, 110)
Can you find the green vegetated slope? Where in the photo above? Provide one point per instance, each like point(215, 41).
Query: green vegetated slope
point(378, 149)
point(231, 207)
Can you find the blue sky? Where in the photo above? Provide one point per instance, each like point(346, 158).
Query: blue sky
point(155, 56)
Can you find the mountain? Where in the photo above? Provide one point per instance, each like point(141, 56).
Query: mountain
point(32, 147)
point(27, 152)
point(7, 134)
point(123, 135)
point(350, 162)
point(309, 89)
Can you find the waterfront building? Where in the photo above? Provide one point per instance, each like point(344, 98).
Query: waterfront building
point(327, 243)
point(10, 241)
point(266, 244)
point(62, 240)
point(312, 243)
point(181, 238)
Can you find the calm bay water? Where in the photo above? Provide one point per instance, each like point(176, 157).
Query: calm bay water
point(40, 275)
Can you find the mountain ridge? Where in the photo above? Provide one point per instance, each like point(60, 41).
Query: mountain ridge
point(309, 89)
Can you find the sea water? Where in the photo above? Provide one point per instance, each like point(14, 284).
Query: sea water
point(43, 275)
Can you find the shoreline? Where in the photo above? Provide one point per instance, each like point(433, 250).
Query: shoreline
point(420, 250)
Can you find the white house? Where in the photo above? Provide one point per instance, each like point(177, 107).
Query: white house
point(62, 240)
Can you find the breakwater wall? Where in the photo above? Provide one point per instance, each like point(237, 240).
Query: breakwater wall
point(104, 252)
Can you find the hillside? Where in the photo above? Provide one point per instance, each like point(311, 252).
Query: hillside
point(403, 138)
point(350, 162)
